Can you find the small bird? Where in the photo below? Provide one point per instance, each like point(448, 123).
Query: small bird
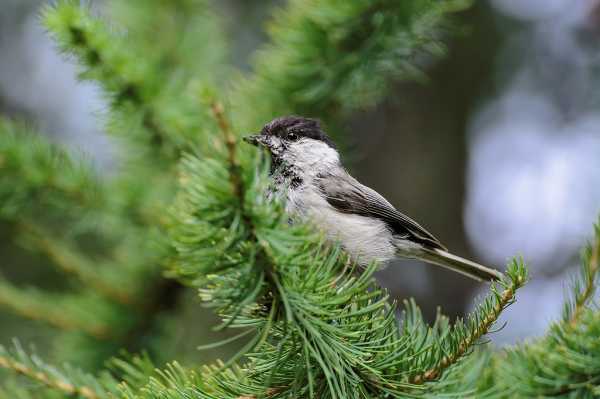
point(306, 170)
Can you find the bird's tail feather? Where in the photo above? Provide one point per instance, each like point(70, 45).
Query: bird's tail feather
point(456, 263)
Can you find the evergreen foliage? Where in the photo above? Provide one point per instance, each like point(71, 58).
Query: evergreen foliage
point(329, 57)
point(312, 324)
point(565, 363)
point(56, 207)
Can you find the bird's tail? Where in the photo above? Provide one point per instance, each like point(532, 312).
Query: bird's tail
point(464, 266)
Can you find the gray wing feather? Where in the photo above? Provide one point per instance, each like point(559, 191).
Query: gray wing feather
point(347, 195)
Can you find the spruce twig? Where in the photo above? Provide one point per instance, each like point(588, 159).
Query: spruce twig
point(590, 271)
point(70, 262)
point(518, 278)
point(87, 38)
point(235, 174)
point(448, 360)
point(121, 88)
point(46, 308)
point(53, 383)
point(565, 361)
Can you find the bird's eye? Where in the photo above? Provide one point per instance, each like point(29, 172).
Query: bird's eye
point(292, 136)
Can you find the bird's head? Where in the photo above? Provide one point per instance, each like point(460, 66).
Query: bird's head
point(297, 141)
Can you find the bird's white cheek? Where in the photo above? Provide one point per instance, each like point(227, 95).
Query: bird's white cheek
point(311, 156)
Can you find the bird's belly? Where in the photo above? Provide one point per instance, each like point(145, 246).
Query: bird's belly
point(365, 239)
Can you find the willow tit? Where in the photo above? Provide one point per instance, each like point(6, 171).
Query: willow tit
point(307, 171)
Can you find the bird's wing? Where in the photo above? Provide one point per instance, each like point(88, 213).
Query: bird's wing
point(347, 195)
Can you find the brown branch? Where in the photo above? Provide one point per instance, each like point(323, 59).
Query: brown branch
point(434, 373)
point(235, 174)
point(59, 385)
point(590, 278)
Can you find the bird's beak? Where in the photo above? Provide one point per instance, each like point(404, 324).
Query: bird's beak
point(256, 139)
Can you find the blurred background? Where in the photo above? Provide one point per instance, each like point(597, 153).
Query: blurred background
point(494, 154)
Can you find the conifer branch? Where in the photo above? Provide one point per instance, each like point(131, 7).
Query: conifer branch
point(54, 310)
point(115, 67)
point(53, 383)
point(47, 196)
point(67, 381)
point(566, 361)
point(231, 144)
point(69, 261)
point(487, 315)
point(121, 87)
point(144, 73)
point(325, 60)
point(591, 266)
point(37, 173)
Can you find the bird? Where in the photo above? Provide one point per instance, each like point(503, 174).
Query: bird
point(307, 172)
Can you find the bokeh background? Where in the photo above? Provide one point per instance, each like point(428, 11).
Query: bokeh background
point(497, 153)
